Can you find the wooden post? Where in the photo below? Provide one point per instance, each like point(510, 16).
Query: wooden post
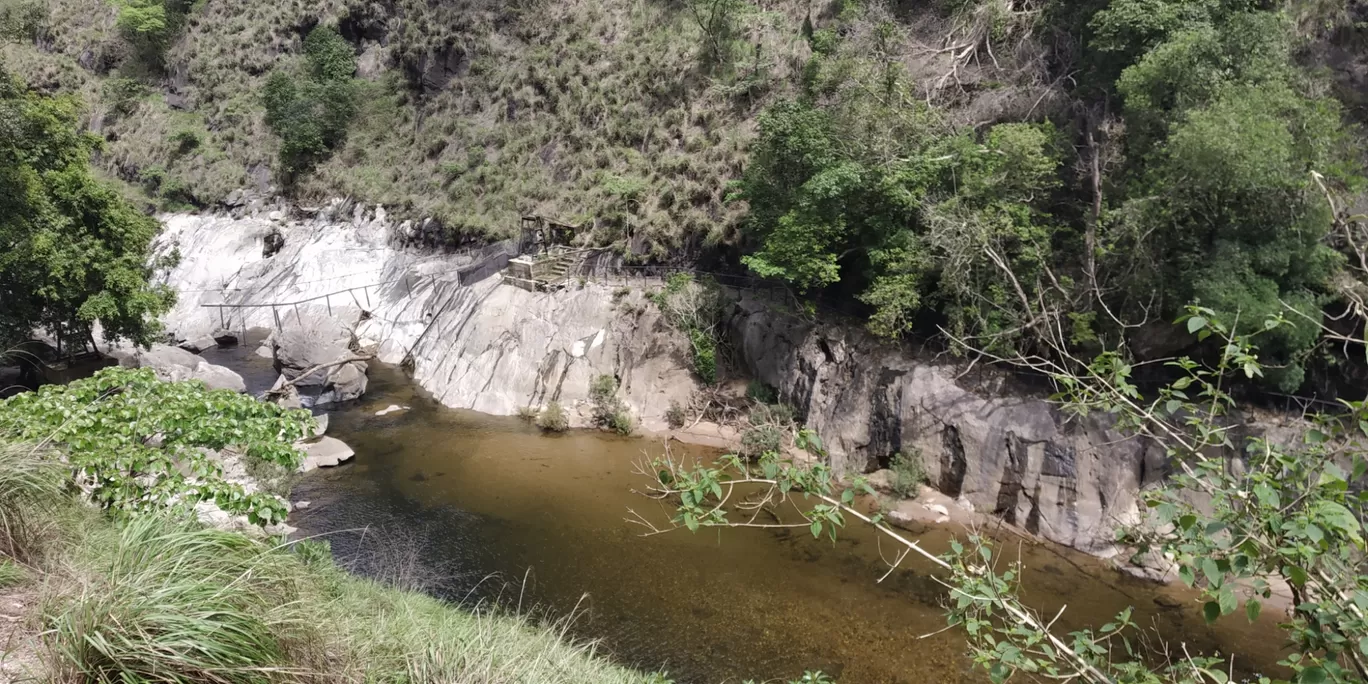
point(276, 314)
point(328, 298)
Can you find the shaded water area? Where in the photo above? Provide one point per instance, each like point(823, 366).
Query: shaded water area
point(481, 508)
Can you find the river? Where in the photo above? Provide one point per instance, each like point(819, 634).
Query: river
point(478, 508)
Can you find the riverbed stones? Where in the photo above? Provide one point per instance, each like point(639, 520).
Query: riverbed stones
point(326, 453)
point(174, 364)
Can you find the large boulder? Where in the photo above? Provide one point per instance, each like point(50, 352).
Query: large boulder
point(315, 356)
point(173, 364)
point(1000, 451)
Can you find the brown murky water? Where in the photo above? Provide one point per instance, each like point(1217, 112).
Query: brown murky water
point(484, 507)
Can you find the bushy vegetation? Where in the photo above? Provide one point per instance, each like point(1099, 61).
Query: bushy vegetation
point(694, 308)
point(142, 445)
point(609, 410)
point(909, 474)
point(72, 252)
point(553, 418)
point(311, 108)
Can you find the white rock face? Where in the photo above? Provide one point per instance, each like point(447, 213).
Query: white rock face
point(484, 346)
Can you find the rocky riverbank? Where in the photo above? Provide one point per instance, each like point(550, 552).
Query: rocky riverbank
point(493, 348)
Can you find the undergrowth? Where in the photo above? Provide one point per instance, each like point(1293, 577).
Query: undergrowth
point(156, 598)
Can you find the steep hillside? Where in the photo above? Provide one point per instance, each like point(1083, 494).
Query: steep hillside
point(615, 113)
point(472, 113)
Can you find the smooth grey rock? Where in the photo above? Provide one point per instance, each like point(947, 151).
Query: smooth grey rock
point(320, 425)
point(348, 382)
point(173, 364)
point(218, 377)
point(326, 453)
point(224, 338)
point(1017, 457)
point(198, 344)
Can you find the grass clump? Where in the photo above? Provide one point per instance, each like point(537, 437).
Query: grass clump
point(675, 415)
point(30, 479)
point(909, 474)
point(11, 574)
point(177, 604)
point(154, 598)
point(553, 418)
point(528, 413)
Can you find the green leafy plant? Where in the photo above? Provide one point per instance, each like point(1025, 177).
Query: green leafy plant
point(75, 251)
point(609, 411)
point(144, 445)
point(909, 474)
point(694, 307)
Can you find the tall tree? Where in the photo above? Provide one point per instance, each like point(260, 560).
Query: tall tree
point(72, 251)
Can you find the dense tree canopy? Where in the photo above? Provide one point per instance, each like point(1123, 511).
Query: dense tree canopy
point(72, 252)
point(1182, 165)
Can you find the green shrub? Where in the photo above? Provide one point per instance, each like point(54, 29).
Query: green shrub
point(704, 355)
point(22, 19)
point(311, 112)
point(621, 422)
point(528, 413)
point(909, 474)
point(151, 25)
point(760, 393)
point(144, 465)
point(675, 415)
point(759, 440)
point(184, 141)
point(609, 411)
point(553, 418)
point(329, 55)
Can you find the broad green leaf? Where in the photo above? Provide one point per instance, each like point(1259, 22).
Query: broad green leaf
point(1211, 611)
point(1252, 608)
point(1227, 601)
point(1312, 675)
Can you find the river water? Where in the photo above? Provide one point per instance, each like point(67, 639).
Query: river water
point(478, 508)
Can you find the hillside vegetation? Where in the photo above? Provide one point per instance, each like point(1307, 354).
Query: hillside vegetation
point(1026, 178)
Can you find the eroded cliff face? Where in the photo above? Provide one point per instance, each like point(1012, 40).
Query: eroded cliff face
point(495, 348)
point(1070, 481)
point(483, 345)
